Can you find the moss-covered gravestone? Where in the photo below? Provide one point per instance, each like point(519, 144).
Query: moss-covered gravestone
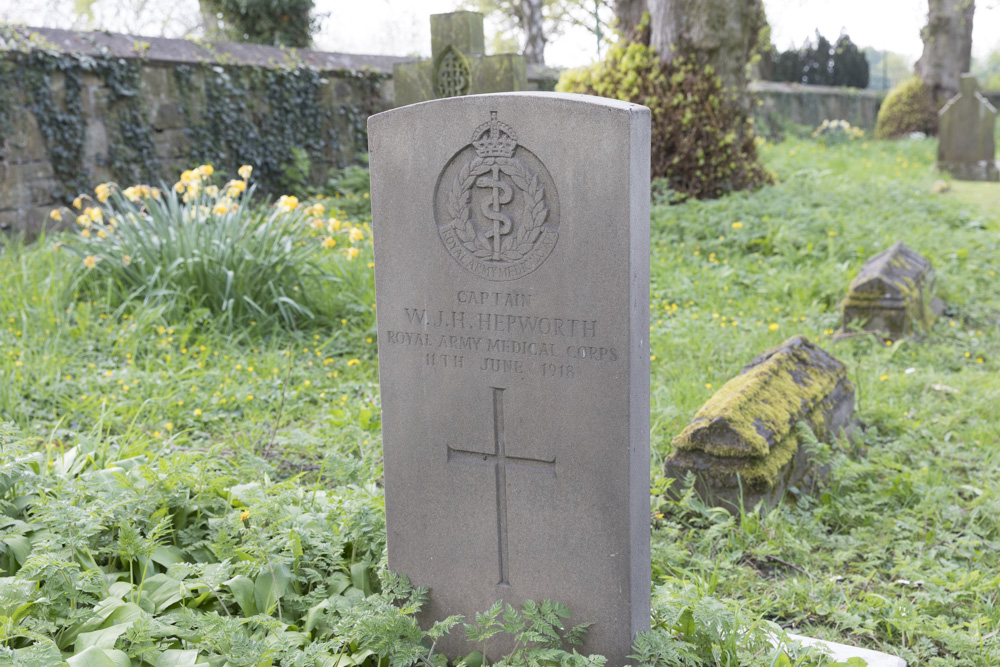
point(745, 442)
point(966, 144)
point(892, 295)
point(458, 64)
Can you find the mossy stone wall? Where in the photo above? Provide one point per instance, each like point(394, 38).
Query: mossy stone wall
point(810, 105)
point(80, 108)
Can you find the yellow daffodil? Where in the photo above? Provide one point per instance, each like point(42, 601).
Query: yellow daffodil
point(85, 233)
point(56, 215)
point(83, 220)
point(287, 203)
point(126, 260)
point(205, 170)
point(333, 225)
point(355, 234)
point(221, 207)
point(212, 191)
point(101, 234)
point(90, 261)
point(351, 252)
point(316, 210)
point(103, 192)
point(95, 214)
point(329, 242)
point(78, 203)
point(316, 223)
point(245, 171)
point(235, 188)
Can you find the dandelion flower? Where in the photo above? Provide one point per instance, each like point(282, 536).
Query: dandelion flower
point(773, 326)
point(90, 261)
point(245, 171)
point(353, 362)
point(197, 412)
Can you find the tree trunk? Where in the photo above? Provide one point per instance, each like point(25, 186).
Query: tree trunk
point(720, 33)
point(947, 45)
point(629, 14)
point(534, 35)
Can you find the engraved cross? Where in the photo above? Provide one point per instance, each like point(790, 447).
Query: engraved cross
point(500, 461)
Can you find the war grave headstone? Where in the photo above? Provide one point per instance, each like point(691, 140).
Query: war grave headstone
point(966, 144)
point(458, 65)
point(892, 294)
point(511, 236)
point(743, 445)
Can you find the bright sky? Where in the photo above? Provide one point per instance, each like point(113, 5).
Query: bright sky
point(402, 27)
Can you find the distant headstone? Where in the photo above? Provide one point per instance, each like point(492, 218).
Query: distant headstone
point(743, 443)
point(966, 144)
point(892, 294)
point(458, 64)
point(511, 241)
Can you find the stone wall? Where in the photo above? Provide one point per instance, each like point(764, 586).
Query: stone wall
point(91, 128)
point(810, 105)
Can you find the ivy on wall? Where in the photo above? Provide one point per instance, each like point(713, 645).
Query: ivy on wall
point(284, 120)
point(274, 118)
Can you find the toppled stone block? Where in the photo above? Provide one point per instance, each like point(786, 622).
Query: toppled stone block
point(892, 294)
point(745, 439)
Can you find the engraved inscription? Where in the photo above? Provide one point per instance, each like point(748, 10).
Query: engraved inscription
point(496, 206)
point(499, 460)
point(452, 74)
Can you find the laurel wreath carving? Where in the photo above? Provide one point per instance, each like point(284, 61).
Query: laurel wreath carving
point(516, 245)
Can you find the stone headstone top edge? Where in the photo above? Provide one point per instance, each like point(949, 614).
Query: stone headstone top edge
point(571, 97)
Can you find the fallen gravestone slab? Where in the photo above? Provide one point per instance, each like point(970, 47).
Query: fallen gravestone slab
point(892, 294)
point(744, 440)
point(511, 240)
point(966, 143)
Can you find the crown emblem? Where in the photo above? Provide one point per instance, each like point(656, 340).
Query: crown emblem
point(494, 139)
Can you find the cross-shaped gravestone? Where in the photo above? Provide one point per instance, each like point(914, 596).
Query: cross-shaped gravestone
point(458, 64)
point(966, 144)
point(499, 461)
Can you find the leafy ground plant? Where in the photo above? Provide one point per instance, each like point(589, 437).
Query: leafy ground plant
point(182, 493)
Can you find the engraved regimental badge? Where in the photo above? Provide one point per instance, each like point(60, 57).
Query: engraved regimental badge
point(496, 206)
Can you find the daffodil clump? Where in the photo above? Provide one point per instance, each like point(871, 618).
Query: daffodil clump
point(206, 245)
point(833, 132)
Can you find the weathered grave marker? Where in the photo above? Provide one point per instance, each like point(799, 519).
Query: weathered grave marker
point(743, 444)
point(458, 64)
point(512, 282)
point(966, 144)
point(892, 294)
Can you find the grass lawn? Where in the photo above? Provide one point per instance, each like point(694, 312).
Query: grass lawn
point(177, 492)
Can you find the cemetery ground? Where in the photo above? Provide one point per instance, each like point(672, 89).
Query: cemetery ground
point(175, 492)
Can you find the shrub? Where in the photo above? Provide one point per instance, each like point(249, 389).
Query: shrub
point(201, 248)
point(909, 107)
point(702, 143)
